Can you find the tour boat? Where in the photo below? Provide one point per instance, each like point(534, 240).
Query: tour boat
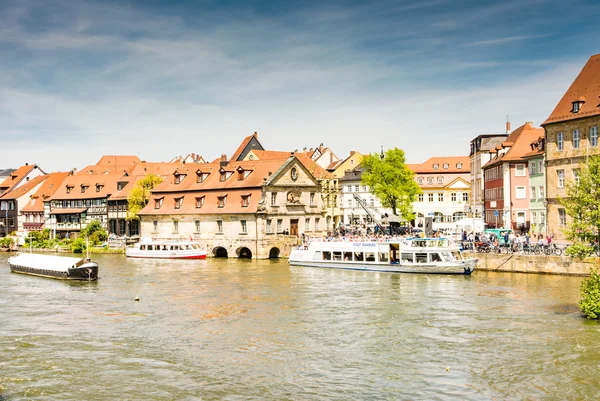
point(167, 249)
point(410, 255)
point(59, 267)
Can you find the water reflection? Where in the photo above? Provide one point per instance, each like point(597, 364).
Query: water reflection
point(231, 329)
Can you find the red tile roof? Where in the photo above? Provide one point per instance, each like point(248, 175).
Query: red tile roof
point(48, 187)
point(520, 139)
point(23, 189)
point(111, 164)
point(17, 176)
point(316, 170)
point(586, 88)
point(98, 186)
point(212, 187)
point(452, 161)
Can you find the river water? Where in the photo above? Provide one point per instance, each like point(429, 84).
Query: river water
point(261, 330)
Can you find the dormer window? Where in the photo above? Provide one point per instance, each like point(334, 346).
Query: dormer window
point(99, 187)
point(436, 166)
point(577, 106)
point(179, 178)
point(201, 176)
point(84, 188)
point(199, 202)
point(429, 180)
point(245, 200)
point(222, 200)
point(69, 188)
point(224, 175)
point(178, 202)
point(440, 180)
point(446, 166)
point(420, 180)
point(121, 185)
point(459, 165)
point(158, 203)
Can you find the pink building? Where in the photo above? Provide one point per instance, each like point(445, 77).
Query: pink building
point(506, 179)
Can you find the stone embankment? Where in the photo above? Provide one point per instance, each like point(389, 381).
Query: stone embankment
point(541, 264)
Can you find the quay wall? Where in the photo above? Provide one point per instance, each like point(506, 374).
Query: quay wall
point(541, 264)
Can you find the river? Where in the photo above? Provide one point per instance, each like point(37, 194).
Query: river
point(227, 329)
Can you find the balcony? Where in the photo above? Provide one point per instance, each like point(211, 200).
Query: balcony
point(33, 226)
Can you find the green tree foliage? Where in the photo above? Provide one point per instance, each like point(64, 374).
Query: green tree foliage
point(582, 203)
point(590, 295)
point(139, 195)
point(94, 232)
point(391, 181)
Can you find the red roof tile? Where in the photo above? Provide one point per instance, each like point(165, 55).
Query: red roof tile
point(48, 187)
point(586, 88)
point(17, 176)
point(23, 189)
point(440, 161)
point(521, 139)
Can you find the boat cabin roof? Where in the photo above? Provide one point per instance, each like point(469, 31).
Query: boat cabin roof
point(45, 262)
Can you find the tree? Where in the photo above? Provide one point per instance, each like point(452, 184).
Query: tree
point(590, 295)
point(139, 195)
point(582, 203)
point(391, 181)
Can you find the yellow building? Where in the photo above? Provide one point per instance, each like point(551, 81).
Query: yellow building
point(571, 136)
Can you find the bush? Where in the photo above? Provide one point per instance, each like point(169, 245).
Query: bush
point(579, 250)
point(590, 295)
point(78, 245)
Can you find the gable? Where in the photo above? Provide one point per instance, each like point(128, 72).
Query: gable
point(293, 173)
point(458, 183)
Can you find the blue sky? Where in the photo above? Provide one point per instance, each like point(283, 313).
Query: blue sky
point(157, 79)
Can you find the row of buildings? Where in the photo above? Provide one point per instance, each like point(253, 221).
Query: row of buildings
point(256, 202)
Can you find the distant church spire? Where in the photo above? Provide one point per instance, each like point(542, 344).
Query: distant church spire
point(381, 156)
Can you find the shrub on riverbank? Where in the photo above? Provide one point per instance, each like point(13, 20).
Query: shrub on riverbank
point(590, 295)
point(579, 250)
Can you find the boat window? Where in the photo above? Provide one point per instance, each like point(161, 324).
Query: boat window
point(435, 257)
point(326, 255)
point(407, 257)
point(347, 256)
point(370, 256)
point(143, 247)
point(171, 248)
point(384, 257)
point(150, 247)
point(359, 256)
point(447, 256)
point(337, 256)
point(317, 255)
point(457, 255)
point(165, 248)
point(421, 258)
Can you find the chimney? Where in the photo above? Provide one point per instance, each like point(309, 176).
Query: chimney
point(352, 152)
point(507, 125)
point(530, 123)
point(27, 164)
point(74, 170)
point(304, 149)
point(223, 160)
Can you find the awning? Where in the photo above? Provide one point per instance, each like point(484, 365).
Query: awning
point(391, 219)
point(68, 210)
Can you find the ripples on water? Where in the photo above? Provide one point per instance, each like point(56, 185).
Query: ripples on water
point(260, 330)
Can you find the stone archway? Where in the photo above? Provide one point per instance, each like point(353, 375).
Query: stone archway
point(220, 252)
point(244, 253)
point(274, 253)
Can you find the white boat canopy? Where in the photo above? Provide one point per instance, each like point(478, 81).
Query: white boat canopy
point(45, 262)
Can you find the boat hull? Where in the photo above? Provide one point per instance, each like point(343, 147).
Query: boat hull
point(460, 267)
point(86, 272)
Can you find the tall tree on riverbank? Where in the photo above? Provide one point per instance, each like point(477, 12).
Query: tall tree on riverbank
point(139, 195)
point(582, 204)
point(391, 181)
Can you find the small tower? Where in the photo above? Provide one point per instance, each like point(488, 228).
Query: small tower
point(381, 155)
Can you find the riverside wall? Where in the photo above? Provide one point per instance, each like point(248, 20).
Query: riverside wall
point(541, 264)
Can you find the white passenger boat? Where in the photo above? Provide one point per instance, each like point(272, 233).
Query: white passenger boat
point(413, 255)
point(168, 249)
point(60, 267)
